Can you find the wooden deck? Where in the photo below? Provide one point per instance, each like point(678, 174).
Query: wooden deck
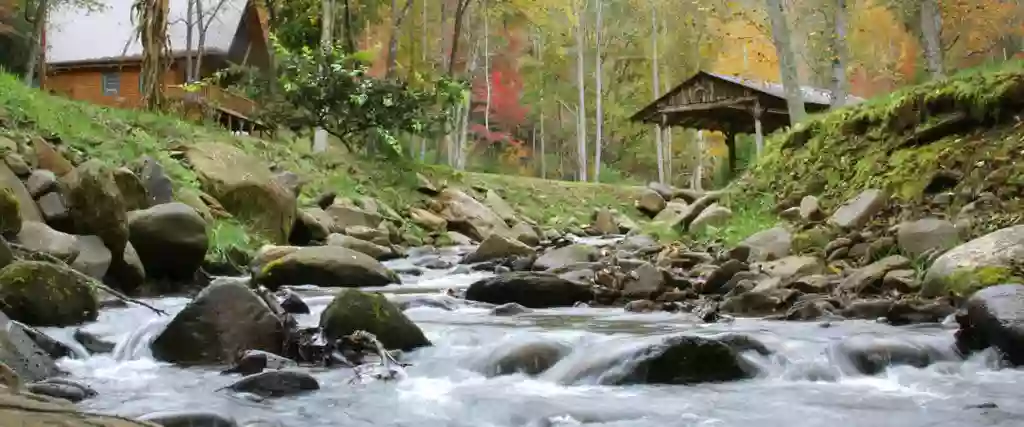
point(233, 111)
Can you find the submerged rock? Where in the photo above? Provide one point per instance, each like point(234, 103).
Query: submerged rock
point(994, 317)
point(533, 290)
point(353, 310)
point(530, 358)
point(276, 383)
point(189, 419)
point(872, 355)
point(93, 343)
point(255, 361)
point(19, 352)
point(223, 320)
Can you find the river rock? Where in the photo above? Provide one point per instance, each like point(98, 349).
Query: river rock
point(17, 164)
point(256, 361)
point(497, 246)
point(6, 254)
point(427, 220)
point(870, 355)
point(929, 234)
point(132, 189)
point(468, 216)
point(353, 310)
point(650, 202)
point(44, 294)
point(16, 204)
point(189, 419)
point(344, 215)
point(987, 260)
point(458, 239)
point(810, 209)
point(39, 237)
point(276, 383)
point(509, 309)
point(533, 290)
point(858, 211)
point(670, 359)
point(769, 244)
point(95, 204)
point(171, 239)
point(994, 317)
point(329, 266)
point(869, 278)
point(292, 303)
point(93, 343)
point(51, 346)
point(224, 319)
point(61, 391)
point(311, 225)
point(714, 215)
point(24, 410)
point(93, 257)
point(378, 252)
point(792, 267)
point(40, 182)
point(21, 353)
point(245, 186)
point(529, 358)
point(564, 256)
point(645, 281)
point(159, 188)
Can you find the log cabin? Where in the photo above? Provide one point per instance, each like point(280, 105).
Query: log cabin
point(95, 56)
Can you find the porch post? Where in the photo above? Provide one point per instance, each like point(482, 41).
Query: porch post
point(756, 111)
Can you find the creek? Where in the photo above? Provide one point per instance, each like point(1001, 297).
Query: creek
point(809, 381)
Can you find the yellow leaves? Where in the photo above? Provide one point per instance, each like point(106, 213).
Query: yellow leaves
point(748, 52)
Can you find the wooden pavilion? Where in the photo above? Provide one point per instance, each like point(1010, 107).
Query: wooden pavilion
point(731, 105)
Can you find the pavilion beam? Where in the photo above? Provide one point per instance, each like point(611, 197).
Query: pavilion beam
point(707, 105)
point(758, 133)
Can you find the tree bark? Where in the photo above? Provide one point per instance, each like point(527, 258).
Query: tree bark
point(460, 14)
point(350, 32)
point(787, 61)
point(581, 114)
point(397, 16)
point(599, 115)
point(190, 24)
point(326, 35)
point(657, 92)
point(487, 68)
point(38, 27)
point(931, 30)
point(839, 56)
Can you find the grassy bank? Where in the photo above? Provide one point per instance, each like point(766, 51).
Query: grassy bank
point(966, 126)
point(119, 137)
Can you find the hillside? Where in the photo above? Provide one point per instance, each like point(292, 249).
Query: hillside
point(119, 138)
point(960, 137)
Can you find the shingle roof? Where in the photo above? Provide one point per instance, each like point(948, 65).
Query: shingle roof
point(73, 35)
point(811, 94)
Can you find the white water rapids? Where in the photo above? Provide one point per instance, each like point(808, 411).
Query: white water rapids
point(807, 382)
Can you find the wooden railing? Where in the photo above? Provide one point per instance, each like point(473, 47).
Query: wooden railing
point(215, 97)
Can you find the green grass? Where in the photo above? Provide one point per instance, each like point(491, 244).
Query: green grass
point(119, 137)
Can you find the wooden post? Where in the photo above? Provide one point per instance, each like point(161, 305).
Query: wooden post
point(756, 111)
point(730, 142)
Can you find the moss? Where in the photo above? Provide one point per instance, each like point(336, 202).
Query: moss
point(966, 281)
point(44, 294)
point(10, 213)
point(353, 310)
point(812, 241)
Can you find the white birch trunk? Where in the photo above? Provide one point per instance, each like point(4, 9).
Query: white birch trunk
point(931, 30)
point(326, 35)
point(599, 115)
point(581, 110)
point(487, 69)
point(839, 58)
point(698, 173)
point(657, 92)
point(787, 61)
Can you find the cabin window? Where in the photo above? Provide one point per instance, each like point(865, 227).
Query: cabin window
point(111, 84)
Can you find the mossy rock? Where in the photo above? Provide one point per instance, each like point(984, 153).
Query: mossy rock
point(44, 294)
point(353, 310)
point(10, 215)
point(246, 188)
point(95, 204)
point(967, 281)
point(132, 189)
point(812, 241)
point(328, 266)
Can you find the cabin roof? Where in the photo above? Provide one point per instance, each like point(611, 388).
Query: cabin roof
point(74, 36)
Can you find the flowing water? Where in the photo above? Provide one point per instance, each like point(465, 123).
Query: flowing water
point(805, 384)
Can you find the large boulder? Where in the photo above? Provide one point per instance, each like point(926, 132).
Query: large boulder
point(533, 290)
point(426, 219)
point(344, 215)
point(354, 310)
point(132, 189)
point(95, 204)
point(171, 240)
point(44, 294)
point(930, 234)
point(93, 257)
point(994, 317)
point(767, 245)
point(650, 202)
point(332, 266)
point(246, 187)
point(987, 260)
point(470, 217)
point(566, 255)
point(21, 353)
point(499, 206)
point(671, 359)
point(374, 250)
point(39, 237)
point(224, 319)
point(6, 254)
point(497, 246)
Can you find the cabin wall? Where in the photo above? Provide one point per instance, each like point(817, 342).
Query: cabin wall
point(250, 46)
point(114, 85)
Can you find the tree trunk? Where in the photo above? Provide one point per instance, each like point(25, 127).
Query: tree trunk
point(487, 69)
point(201, 43)
point(397, 16)
point(581, 113)
point(543, 152)
point(697, 183)
point(839, 56)
point(350, 32)
point(460, 13)
point(423, 53)
point(787, 61)
point(931, 30)
point(657, 92)
point(599, 115)
point(38, 28)
point(326, 42)
point(190, 25)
